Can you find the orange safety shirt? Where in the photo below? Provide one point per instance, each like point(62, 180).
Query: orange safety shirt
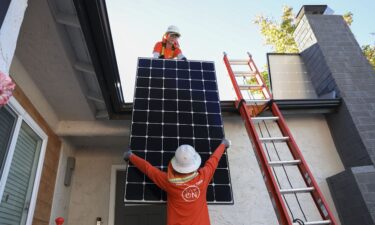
point(168, 52)
point(186, 203)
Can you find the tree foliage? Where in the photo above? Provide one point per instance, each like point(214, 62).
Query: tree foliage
point(369, 52)
point(348, 17)
point(279, 35)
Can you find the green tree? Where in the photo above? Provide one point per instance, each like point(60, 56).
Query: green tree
point(369, 52)
point(348, 17)
point(279, 35)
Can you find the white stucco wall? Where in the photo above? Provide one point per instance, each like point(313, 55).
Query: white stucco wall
point(314, 139)
point(89, 198)
point(61, 195)
point(9, 32)
point(24, 81)
point(252, 205)
point(251, 201)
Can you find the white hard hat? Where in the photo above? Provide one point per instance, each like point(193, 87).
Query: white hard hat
point(186, 159)
point(173, 29)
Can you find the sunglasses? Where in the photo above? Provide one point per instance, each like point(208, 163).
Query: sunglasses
point(174, 35)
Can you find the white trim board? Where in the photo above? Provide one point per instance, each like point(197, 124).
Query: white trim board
point(112, 192)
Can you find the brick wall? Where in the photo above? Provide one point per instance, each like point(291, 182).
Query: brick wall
point(335, 63)
point(346, 195)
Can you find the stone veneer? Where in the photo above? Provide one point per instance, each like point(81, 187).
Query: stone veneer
point(336, 64)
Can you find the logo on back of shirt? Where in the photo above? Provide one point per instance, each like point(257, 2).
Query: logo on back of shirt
point(191, 193)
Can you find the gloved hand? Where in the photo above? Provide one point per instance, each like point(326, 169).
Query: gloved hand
point(184, 58)
point(127, 154)
point(226, 142)
point(161, 57)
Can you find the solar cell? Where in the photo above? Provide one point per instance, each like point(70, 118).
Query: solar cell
point(175, 102)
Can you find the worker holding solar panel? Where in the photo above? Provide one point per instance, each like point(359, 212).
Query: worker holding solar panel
point(185, 183)
point(169, 48)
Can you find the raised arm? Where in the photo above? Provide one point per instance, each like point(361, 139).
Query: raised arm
point(211, 164)
point(157, 176)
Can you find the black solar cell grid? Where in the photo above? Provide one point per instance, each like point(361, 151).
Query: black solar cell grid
point(175, 102)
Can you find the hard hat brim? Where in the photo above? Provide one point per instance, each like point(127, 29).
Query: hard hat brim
point(187, 169)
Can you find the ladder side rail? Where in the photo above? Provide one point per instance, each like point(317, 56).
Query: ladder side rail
point(272, 187)
point(252, 65)
point(233, 79)
point(271, 184)
point(265, 90)
point(303, 167)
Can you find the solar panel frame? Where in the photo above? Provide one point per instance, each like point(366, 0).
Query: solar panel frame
point(169, 99)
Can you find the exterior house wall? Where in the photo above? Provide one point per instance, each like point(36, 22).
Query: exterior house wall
point(61, 195)
point(335, 62)
point(9, 32)
point(21, 76)
point(89, 197)
point(47, 181)
point(252, 205)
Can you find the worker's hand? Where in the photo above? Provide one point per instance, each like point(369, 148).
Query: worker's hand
point(161, 57)
point(127, 154)
point(226, 142)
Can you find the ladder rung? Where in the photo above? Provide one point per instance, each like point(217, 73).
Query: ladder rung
point(285, 163)
point(256, 101)
point(249, 86)
point(274, 139)
point(243, 73)
point(260, 119)
point(322, 222)
point(296, 190)
point(238, 62)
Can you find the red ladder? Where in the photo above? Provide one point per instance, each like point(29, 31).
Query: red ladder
point(260, 101)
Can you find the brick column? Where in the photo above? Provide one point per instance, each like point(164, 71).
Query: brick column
point(336, 64)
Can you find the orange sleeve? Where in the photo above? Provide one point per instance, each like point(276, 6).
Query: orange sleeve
point(157, 47)
point(177, 51)
point(157, 176)
point(211, 164)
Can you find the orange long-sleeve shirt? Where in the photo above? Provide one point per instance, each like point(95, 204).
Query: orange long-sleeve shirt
point(186, 203)
point(168, 52)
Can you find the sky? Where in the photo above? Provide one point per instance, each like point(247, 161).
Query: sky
point(210, 27)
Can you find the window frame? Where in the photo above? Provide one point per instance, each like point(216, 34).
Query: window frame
point(23, 116)
point(112, 191)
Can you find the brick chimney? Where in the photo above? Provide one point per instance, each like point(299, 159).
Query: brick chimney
point(336, 65)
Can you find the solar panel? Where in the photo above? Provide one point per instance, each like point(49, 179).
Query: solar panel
point(175, 102)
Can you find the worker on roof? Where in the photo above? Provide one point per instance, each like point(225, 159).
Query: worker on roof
point(185, 184)
point(169, 48)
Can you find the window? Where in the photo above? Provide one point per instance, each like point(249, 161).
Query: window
point(7, 123)
point(22, 147)
point(4, 5)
